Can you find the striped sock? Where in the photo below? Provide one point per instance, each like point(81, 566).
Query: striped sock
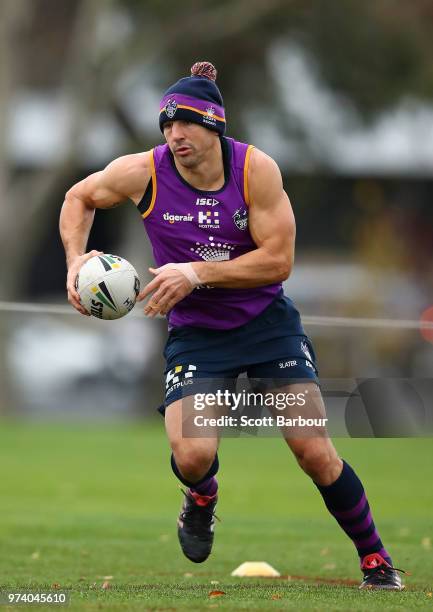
point(347, 502)
point(208, 487)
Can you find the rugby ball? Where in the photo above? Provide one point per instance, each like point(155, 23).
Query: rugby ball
point(108, 286)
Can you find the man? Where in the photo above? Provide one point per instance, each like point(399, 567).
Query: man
point(223, 233)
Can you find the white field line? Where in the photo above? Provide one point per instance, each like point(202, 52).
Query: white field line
point(31, 308)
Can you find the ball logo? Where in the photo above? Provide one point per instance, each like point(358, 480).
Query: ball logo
point(96, 309)
point(110, 262)
point(129, 304)
point(171, 108)
point(101, 292)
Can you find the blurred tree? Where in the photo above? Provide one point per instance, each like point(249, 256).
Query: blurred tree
point(89, 72)
point(25, 198)
point(373, 53)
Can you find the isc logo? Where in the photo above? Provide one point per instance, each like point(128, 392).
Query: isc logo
point(206, 202)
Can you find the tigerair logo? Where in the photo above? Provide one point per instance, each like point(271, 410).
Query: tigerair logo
point(206, 202)
point(110, 262)
point(101, 292)
point(175, 218)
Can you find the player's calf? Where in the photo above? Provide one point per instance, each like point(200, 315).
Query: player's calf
point(318, 458)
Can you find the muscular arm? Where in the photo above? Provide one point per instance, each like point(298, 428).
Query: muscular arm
point(125, 177)
point(272, 227)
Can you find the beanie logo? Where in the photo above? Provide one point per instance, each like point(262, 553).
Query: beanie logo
point(209, 117)
point(171, 108)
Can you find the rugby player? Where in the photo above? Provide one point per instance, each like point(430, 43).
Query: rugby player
point(223, 235)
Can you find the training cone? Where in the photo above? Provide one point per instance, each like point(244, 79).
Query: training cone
point(256, 568)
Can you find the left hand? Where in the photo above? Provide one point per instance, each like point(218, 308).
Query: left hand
point(169, 286)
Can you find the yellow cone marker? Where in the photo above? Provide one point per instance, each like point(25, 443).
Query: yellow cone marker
point(256, 568)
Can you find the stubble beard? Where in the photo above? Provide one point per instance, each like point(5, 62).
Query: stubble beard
point(190, 161)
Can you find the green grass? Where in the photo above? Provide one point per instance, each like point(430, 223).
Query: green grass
point(79, 503)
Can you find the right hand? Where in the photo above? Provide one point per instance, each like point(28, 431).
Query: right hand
point(73, 270)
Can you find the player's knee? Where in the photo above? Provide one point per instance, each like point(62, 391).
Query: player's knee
point(316, 460)
point(193, 463)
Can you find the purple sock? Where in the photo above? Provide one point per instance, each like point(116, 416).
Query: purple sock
point(207, 487)
point(347, 502)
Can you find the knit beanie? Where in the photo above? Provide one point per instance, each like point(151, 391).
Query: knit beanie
point(195, 98)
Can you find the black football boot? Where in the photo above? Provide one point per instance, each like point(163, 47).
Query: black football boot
point(195, 525)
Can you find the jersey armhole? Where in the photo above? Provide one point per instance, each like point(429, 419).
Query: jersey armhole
point(147, 202)
point(246, 166)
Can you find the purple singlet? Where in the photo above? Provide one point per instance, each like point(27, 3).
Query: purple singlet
point(187, 224)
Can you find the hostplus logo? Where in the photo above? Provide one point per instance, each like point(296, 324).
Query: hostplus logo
point(179, 376)
point(208, 219)
point(175, 218)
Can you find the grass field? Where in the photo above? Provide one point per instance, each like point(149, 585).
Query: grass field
point(83, 505)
